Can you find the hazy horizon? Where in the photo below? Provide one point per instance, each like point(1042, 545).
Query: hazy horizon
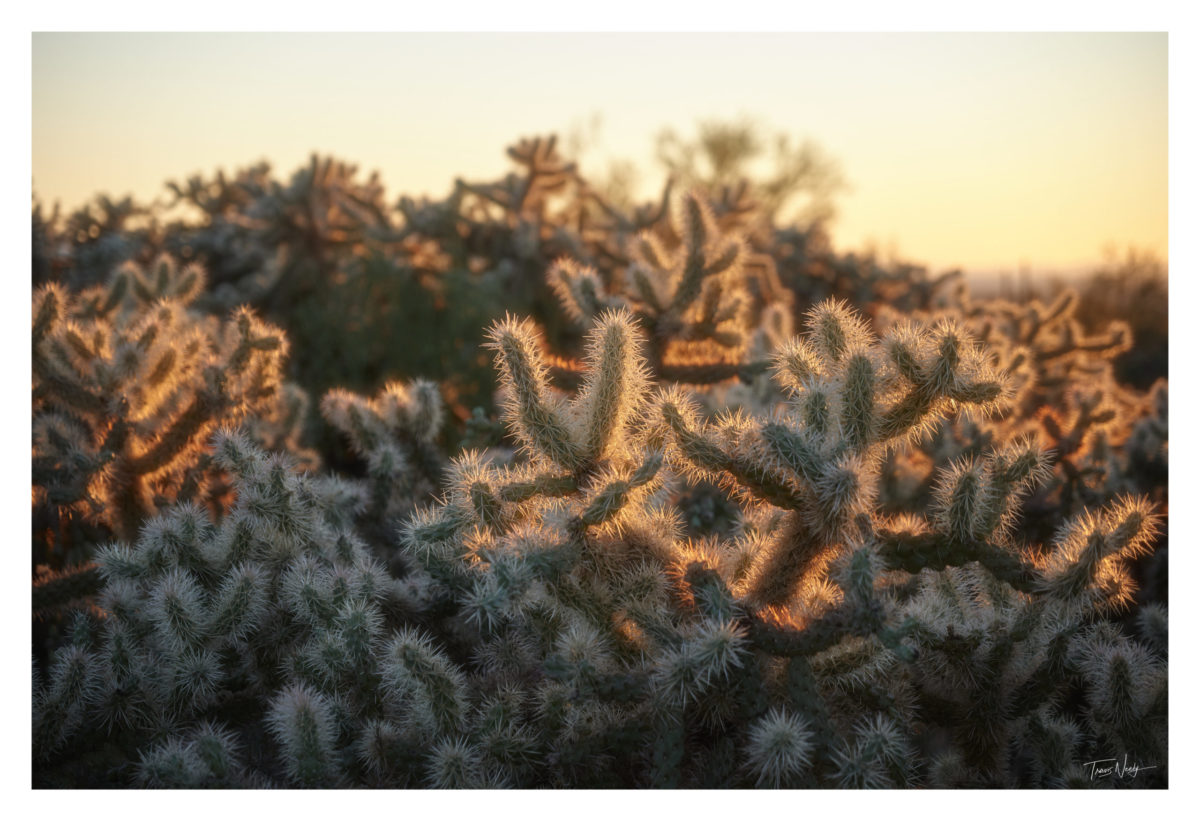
point(987, 152)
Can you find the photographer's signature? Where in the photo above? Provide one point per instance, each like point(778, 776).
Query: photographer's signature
point(1114, 768)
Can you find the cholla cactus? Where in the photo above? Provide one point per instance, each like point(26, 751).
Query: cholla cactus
point(1109, 442)
point(395, 434)
point(1062, 392)
point(562, 565)
point(691, 297)
point(127, 385)
point(992, 628)
point(1041, 348)
point(277, 602)
point(306, 226)
point(516, 224)
point(853, 398)
point(276, 614)
point(544, 172)
point(779, 748)
point(554, 627)
point(818, 585)
point(1050, 336)
point(1146, 448)
point(903, 586)
point(587, 469)
point(280, 426)
point(81, 249)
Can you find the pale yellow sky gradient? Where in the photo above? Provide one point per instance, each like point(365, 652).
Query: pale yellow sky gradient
point(983, 151)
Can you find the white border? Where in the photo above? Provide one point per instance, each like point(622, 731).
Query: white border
point(745, 15)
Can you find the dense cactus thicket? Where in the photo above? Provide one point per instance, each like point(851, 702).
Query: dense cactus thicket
point(128, 385)
point(730, 511)
point(127, 382)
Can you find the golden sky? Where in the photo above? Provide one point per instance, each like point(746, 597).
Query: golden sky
point(985, 151)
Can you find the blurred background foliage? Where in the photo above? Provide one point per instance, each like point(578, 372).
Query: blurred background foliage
point(370, 289)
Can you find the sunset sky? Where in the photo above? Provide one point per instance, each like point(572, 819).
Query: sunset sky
point(985, 151)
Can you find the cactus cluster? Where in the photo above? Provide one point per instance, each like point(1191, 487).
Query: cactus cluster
point(128, 384)
point(278, 600)
point(692, 299)
point(552, 626)
point(1103, 438)
point(913, 545)
point(395, 434)
point(324, 255)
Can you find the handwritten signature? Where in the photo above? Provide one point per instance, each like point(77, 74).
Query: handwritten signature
point(1111, 767)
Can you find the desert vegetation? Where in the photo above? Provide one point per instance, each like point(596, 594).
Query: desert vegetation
point(533, 486)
